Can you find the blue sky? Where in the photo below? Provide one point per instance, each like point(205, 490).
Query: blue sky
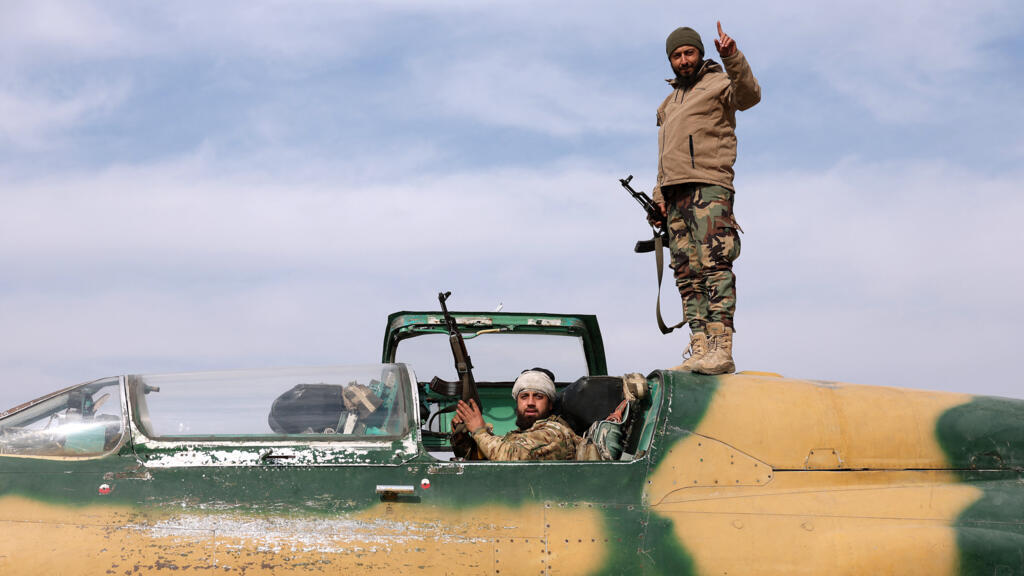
point(261, 183)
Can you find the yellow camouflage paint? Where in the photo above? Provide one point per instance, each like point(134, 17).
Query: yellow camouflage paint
point(850, 522)
point(775, 488)
point(388, 539)
point(797, 424)
point(697, 461)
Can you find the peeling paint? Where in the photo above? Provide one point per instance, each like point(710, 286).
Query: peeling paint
point(184, 455)
point(332, 536)
point(386, 539)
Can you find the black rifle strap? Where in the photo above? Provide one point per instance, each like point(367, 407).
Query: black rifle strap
point(660, 260)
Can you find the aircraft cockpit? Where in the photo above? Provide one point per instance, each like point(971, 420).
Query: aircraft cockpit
point(81, 420)
point(501, 345)
point(171, 413)
point(323, 403)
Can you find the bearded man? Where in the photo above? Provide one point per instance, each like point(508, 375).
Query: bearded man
point(694, 191)
point(539, 434)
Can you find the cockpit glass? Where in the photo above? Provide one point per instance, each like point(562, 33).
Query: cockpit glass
point(317, 403)
point(86, 420)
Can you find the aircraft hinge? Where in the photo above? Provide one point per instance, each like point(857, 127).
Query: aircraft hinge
point(823, 459)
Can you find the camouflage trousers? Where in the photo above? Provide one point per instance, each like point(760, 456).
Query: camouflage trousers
point(704, 241)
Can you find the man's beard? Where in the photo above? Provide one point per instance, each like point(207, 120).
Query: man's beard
point(691, 77)
point(524, 422)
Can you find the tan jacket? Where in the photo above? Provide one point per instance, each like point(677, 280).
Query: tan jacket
point(697, 125)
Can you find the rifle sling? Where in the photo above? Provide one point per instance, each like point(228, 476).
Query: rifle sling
point(660, 261)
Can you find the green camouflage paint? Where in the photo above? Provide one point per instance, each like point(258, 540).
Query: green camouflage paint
point(985, 439)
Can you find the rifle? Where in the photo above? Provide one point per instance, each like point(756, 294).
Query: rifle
point(464, 368)
point(660, 229)
point(653, 215)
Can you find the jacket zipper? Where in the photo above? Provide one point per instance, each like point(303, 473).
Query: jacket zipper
point(693, 164)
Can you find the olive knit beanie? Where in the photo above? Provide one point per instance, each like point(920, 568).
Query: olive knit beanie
point(684, 36)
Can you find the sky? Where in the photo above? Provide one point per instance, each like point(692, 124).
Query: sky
point(189, 186)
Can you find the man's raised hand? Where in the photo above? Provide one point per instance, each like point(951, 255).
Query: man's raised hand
point(469, 414)
point(725, 45)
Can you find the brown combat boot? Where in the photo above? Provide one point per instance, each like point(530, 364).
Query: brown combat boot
point(718, 360)
point(698, 348)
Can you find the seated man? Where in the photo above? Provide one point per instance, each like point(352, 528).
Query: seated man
point(541, 435)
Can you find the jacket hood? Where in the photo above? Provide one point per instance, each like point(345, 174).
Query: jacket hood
point(708, 67)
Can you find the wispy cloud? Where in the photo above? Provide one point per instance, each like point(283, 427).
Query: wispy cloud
point(536, 95)
point(34, 29)
point(864, 270)
point(193, 213)
point(38, 118)
point(904, 63)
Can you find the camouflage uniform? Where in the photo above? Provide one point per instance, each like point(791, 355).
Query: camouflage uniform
point(549, 438)
point(704, 242)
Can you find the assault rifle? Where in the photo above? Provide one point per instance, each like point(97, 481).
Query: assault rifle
point(466, 385)
point(654, 217)
point(660, 229)
point(463, 364)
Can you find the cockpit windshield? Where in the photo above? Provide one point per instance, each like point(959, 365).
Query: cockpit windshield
point(85, 420)
point(326, 403)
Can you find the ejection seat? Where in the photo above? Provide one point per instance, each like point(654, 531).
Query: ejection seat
point(327, 409)
point(593, 399)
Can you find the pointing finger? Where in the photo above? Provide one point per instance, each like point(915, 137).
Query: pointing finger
point(720, 33)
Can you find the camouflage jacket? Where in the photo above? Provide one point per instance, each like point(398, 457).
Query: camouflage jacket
point(550, 438)
point(697, 124)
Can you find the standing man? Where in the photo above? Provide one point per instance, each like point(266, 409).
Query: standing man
point(540, 435)
point(694, 191)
